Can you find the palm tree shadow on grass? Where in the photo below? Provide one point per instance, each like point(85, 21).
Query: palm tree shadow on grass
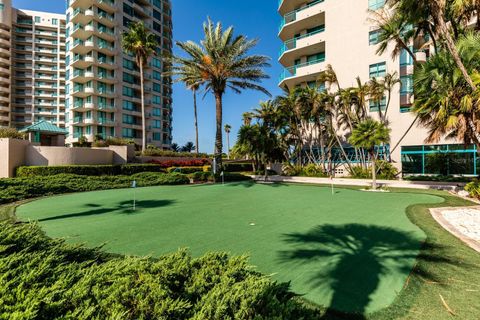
point(122, 207)
point(355, 257)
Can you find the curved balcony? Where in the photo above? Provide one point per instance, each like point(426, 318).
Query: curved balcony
point(5, 42)
point(301, 19)
point(5, 118)
point(302, 73)
point(304, 45)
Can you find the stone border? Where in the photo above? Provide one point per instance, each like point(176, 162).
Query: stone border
point(438, 216)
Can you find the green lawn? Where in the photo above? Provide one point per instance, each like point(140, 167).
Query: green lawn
point(351, 251)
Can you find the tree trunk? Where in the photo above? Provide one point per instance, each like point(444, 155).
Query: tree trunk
point(437, 12)
point(228, 144)
point(195, 119)
point(219, 129)
point(374, 170)
point(142, 89)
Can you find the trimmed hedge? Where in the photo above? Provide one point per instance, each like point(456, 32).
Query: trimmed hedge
point(49, 279)
point(155, 152)
point(188, 170)
point(96, 170)
point(440, 178)
point(181, 163)
point(238, 167)
point(16, 189)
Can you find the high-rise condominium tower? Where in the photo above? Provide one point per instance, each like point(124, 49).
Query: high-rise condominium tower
point(342, 33)
point(103, 84)
point(32, 67)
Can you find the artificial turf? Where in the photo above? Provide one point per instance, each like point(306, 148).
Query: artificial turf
point(350, 250)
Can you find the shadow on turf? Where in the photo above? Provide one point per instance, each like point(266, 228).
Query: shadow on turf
point(354, 258)
point(123, 207)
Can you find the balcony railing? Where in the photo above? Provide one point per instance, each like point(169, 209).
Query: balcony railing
point(292, 43)
point(292, 71)
point(292, 16)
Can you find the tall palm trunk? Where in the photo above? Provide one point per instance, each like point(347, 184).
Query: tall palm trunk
point(195, 119)
point(142, 92)
point(228, 144)
point(219, 129)
point(374, 169)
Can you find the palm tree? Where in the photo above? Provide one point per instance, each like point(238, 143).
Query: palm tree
point(221, 62)
point(175, 147)
point(227, 128)
point(443, 101)
point(142, 44)
point(188, 147)
point(368, 134)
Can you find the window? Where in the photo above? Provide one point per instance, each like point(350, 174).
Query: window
point(128, 92)
point(37, 19)
point(378, 70)
point(375, 4)
point(320, 86)
point(157, 75)
point(156, 63)
point(407, 85)
point(157, 136)
point(157, 124)
point(405, 58)
point(128, 78)
point(128, 119)
point(127, 133)
point(2, 6)
point(157, 87)
point(157, 112)
point(128, 64)
point(156, 100)
point(316, 58)
point(55, 21)
point(378, 105)
point(373, 37)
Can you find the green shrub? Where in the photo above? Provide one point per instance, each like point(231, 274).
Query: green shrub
point(312, 170)
point(185, 170)
point(473, 188)
point(112, 141)
point(234, 177)
point(16, 189)
point(237, 167)
point(292, 170)
point(439, 178)
point(201, 176)
point(386, 170)
point(11, 133)
point(97, 170)
point(49, 279)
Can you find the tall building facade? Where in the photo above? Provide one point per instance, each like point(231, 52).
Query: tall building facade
point(32, 67)
point(103, 97)
point(341, 34)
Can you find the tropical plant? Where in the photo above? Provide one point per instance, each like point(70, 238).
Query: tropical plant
point(11, 133)
point(451, 109)
point(188, 147)
point(141, 43)
point(221, 62)
point(369, 134)
point(175, 147)
point(228, 128)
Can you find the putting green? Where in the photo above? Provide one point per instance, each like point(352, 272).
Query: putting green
point(351, 251)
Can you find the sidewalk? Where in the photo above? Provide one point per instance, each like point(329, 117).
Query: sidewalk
point(448, 186)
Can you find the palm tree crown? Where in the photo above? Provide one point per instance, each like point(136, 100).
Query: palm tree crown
point(219, 62)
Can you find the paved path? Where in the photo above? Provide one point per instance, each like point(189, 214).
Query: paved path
point(449, 186)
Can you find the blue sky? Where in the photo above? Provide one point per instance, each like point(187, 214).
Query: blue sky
point(253, 18)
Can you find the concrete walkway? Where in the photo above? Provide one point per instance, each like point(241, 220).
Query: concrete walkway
point(448, 186)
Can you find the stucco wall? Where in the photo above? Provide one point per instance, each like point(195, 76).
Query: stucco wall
point(15, 153)
point(12, 155)
point(60, 156)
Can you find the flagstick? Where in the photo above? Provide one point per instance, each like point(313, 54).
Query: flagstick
point(134, 198)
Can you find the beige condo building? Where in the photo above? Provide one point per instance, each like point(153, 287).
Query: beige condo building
point(32, 67)
point(103, 84)
point(341, 33)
